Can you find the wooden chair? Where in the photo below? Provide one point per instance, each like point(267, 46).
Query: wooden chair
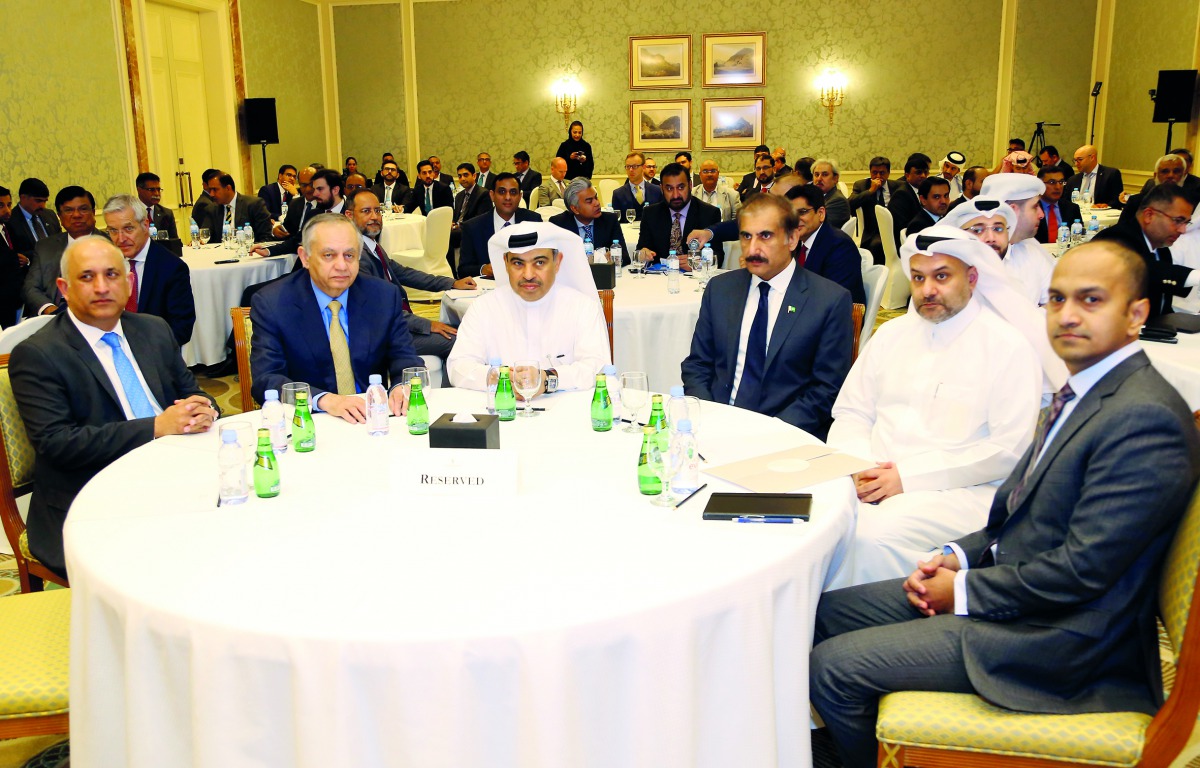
point(242, 331)
point(935, 730)
point(857, 312)
point(34, 656)
point(16, 479)
point(606, 300)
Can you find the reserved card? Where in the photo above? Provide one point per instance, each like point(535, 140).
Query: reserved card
point(461, 472)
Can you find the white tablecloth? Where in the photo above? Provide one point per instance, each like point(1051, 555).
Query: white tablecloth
point(402, 233)
point(1179, 364)
point(217, 288)
point(342, 624)
point(733, 248)
point(652, 329)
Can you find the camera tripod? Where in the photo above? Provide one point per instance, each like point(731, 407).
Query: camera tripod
point(1038, 141)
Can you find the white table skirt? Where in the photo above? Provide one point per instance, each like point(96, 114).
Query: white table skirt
point(652, 329)
point(403, 232)
point(1179, 364)
point(341, 624)
point(216, 288)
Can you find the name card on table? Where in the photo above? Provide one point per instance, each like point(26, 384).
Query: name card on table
point(460, 472)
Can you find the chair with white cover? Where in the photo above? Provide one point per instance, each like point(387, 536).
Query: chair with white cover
point(434, 364)
point(431, 258)
point(895, 294)
point(559, 203)
point(14, 335)
point(546, 211)
point(844, 189)
point(851, 228)
point(874, 279)
point(606, 189)
point(535, 197)
point(866, 257)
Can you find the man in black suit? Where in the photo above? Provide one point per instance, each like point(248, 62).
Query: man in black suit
point(331, 326)
point(649, 169)
point(390, 190)
point(31, 221)
point(1055, 210)
point(1049, 158)
point(159, 281)
point(1051, 607)
point(665, 224)
point(1170, 169)
point(585, 218)
point(10, 265)
point(837, 208)
point(867, 193)
point(428, 193)
point(282, 191)
point(747, 183)
point(149, 191)
point(302, 208)
point(934, 194)
point(972, 180)
point(1188, 181)
point(473, 258)
point(472, 201)
point(94, 384)
point(202, 204)
point(487, 177)
point(228, 207)
point(77, 209)
point(528, 179)
point(824, 250)
point(635, 194)
point(905, 202)
point(443, 178)
point(773, 337)
point(764, 177)
point(1162, 216)
point(1101, 183)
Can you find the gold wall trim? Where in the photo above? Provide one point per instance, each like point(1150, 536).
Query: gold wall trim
point(408, 44)
point(329, 86)
point(1004, 79)
point(239, 88)
point(1101, 56)
point(133, 81)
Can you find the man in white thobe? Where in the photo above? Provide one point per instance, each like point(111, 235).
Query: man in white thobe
point(1028, 262)
point(945, 399)
point(547, 310)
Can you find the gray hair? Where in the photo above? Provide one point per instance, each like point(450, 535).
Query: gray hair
point(827, 161)
point(310, 229)
point(83, 242)
point(126, 202)
point(1169, 160)
point(577, 187)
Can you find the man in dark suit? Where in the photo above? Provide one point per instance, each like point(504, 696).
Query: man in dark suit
point(30, 220)
point(1162, 216)
point(665, 224)
point(905, 202)
point(1103, 184)
point(11, 267)
point(430, 337)
point(764, 177)
point(527, 178)
point(585, 218)
point(1170, 169)
point(330, 326)
point(390, 191)
point(487, 177)
point(428, 193)
point(77, 209)
point(877, 189)
point(472, 201)
point(1055, 613)
point(934, 194)
point(1055, 210)
point(972, 180)
point(837, 208)
point(1049, 158)
point(302, 208)
point(202, 204)
point(282, 191)
point(747, 184)
point(443, 178)
point(149, 191)
point(506, 209)
point(772, 338)
point(1187, 180)
point(230, 207)
point(825, 250)
point(94, 384)
point(635, 194)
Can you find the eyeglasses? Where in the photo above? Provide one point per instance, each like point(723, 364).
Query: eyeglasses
point(631, 167)
point(1178, 221)
point(128, 230)
point(979, 229)
point(369, 211)
point(805, 211)
point(1053, 182)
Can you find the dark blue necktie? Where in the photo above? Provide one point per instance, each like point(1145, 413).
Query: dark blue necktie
point(587, 233)
point(750, 388)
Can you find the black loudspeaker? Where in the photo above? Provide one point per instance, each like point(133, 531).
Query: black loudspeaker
point(1173, 101)
point(261, 126)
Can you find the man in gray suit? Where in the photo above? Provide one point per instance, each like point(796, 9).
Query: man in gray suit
point(837, 207)
point(1051, 607)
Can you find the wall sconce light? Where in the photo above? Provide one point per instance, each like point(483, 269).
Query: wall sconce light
point(832, 86)
point(566, 98)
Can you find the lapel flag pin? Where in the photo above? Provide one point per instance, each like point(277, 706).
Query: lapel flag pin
point(791, 310)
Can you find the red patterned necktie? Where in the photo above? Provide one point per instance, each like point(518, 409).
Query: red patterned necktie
point(801, 255)
point(387, 273)
point(131, 305)
point(1051, 225)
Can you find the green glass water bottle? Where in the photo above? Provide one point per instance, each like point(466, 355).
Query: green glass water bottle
point(418, 411)
point(506, 399)
point(304, 430)
point(602, 410)
point(266, 468)
point(658, 420)
point(648, 482)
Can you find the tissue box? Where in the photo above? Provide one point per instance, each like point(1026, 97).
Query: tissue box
point(604, 276)
point(484, 433)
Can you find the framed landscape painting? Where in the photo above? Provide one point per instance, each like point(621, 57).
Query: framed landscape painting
point(660, 61)
point(733, 123)
point(735, 60)
point(660, 125)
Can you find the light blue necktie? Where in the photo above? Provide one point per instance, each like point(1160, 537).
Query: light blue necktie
point(134, 392)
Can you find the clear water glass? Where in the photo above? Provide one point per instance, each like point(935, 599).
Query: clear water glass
point(635, 392)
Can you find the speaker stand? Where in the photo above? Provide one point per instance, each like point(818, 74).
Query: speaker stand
point(1170, 125)
point(267, 179)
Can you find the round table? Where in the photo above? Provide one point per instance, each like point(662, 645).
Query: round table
point(403, 232)
point(344, 624)
point(732, 248)
point(652, 329)
point(218, 287)
point(1179, 364)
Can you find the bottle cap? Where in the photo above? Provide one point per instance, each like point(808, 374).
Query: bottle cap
point(375, 378)
point(677, 391)
point(415, 381)
point(494, 362)
point(229, 436)
point(684, 425)
point(647, 430)
point(271, 394)
point(610, 370)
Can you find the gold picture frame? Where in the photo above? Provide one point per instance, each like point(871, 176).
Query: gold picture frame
point(735, 60)
point(660, 125)
point(660, 61)
point(734, 123)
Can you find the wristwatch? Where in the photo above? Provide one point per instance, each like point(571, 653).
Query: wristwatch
point(551, 381)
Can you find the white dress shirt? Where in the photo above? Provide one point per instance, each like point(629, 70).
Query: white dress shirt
point(779, 285)
point(104, 354)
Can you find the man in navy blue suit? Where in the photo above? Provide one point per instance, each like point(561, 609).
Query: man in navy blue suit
point(637, 193)
point(506, 210)
point(282, 191)
point(159, 281)
point(330, 326)
point(772, 338)
point(824, 250)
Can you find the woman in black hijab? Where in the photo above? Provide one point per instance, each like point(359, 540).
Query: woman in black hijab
point(577, 153)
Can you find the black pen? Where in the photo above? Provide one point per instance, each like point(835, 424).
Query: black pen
point(226, 261)
point(630, 421)
point(690, 495)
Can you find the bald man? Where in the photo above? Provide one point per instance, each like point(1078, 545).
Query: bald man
point(1099, 182)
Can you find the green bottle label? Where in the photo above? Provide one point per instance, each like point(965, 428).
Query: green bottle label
point(658, 420)
point(304, 430)
point(602, 417)
point(418, 412)
point(266, 468)
point(506, 399)
point(648, 482)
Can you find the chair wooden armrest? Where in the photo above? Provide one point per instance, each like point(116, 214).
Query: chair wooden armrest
point(243, 330)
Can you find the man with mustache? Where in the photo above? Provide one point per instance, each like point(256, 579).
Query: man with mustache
point(664, 224)
point(987, 218)
point(1027, 262)
point(944, 399)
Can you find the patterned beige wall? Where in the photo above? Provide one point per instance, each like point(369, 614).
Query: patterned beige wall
point(280, 41)
point(1052, 70)
point(60, 87)
point(1144, 43)
point(905, 92)
point(370, 72)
